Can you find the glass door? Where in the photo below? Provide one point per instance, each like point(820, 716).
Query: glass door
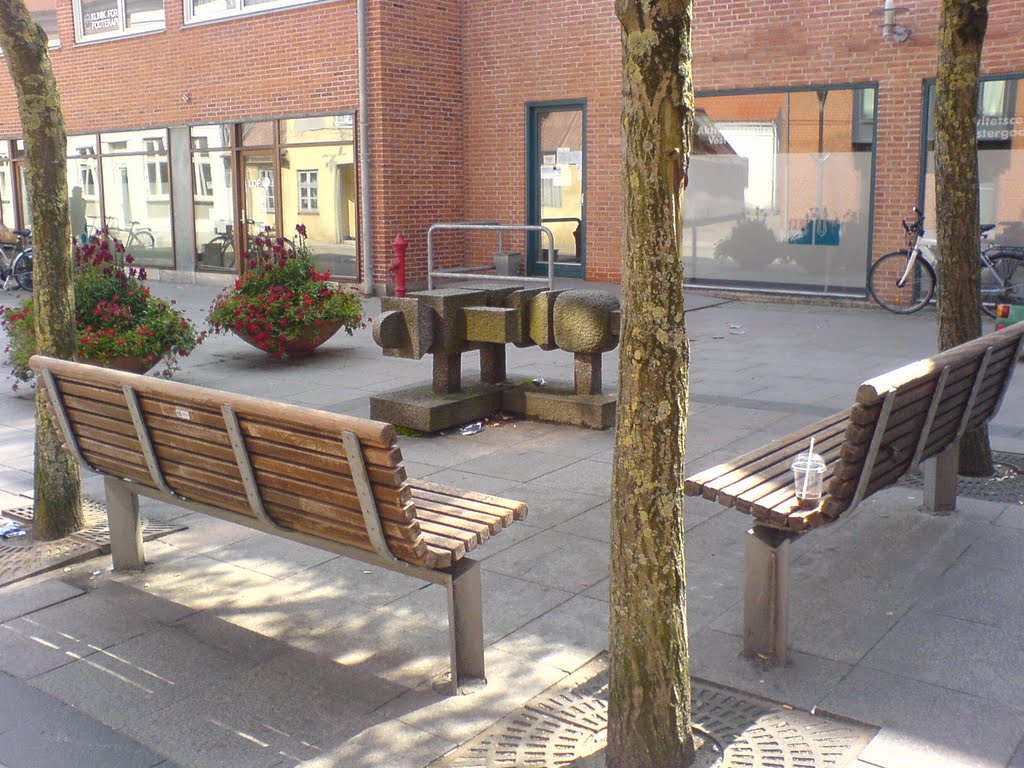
point(259, 195)
point(556, 182)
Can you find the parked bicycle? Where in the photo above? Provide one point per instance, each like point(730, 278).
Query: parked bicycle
point(904, 281)
point(16, 260)
point(132, 235)
point(220, 250)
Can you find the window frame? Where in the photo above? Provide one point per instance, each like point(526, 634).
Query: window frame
point(308, 190)
point(81, 37)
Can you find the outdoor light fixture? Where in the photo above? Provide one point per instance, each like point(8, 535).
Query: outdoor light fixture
point(890, 29)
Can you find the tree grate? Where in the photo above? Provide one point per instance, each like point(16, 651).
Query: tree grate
point(1005, 487)
point(566, 727)
point(22, 556)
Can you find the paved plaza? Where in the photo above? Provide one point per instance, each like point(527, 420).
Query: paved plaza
point(238, 649)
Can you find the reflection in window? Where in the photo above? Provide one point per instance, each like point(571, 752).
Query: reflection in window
point(308, 186)
point(780, 190)
point(1000, 160)
point(157, 171)
point(98, 19)
point(214, 205)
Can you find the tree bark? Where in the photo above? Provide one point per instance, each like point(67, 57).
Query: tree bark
point(961, 36)
point(57, 505)
point(649, 706)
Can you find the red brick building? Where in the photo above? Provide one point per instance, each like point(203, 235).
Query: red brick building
point(193, 123)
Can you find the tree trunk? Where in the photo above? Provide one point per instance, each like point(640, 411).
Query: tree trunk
point(58, 505)
point(649, 681)
point(961, 35)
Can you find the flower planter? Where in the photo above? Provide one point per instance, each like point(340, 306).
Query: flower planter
point(128, 363)
point(304, 344)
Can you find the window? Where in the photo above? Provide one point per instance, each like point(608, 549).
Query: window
point(156, 168)
point(44, 13)
point(267, 184)
point(87, 179)
point(202, 177)
point(101, 19)
point(308, 191)
point(864, 116)
point(204, 10)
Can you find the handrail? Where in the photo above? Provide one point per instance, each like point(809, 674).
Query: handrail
point(460, 273)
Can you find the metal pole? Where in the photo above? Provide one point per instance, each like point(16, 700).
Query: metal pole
point(365, 228)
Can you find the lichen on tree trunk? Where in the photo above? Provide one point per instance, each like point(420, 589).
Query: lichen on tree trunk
point(961, 36)
point(57, 504)
point(649, 706)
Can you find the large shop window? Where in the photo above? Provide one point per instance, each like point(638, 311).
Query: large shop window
point(1000, 159)
point(120, 181)
point(779, 192)
point(6, 188)
point(290, 172)
point(101, 19)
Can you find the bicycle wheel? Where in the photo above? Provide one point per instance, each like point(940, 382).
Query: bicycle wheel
point(884, 276)
point(22, 269)
point(142, 239)
point(1003, 283)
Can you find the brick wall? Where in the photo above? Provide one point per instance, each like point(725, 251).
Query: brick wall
point(450, 83)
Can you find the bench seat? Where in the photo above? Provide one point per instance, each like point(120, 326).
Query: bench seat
point(332, 481)
point(910, 417)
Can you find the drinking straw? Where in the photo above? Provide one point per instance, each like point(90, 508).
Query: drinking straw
point(807, 471)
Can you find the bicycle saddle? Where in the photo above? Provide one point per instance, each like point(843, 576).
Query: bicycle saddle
point(986, 228)
point(22, 232)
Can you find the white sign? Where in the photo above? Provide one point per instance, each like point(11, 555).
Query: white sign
point(562, 155)
point(100, 21)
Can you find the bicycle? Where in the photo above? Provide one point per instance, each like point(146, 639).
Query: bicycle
point(16, 261)
point(134, 235)
point(904, 281)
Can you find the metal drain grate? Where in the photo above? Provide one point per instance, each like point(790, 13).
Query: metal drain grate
point(22, 557)
point(1005, 487)
point(567, 724)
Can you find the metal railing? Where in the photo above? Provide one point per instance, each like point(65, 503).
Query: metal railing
point(465, 273)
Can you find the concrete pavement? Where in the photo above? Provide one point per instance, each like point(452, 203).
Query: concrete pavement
point(239, 649)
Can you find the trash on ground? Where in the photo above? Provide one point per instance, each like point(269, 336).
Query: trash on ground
point(539, 381)
point(472, 429)
point(10, 529)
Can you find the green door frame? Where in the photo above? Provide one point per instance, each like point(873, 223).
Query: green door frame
point(533, 266)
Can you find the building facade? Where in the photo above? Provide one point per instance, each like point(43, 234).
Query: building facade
point(195, 123)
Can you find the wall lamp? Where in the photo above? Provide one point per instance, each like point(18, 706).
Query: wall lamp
point(890, 29)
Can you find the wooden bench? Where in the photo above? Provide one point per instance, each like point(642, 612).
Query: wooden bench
point(914, 414)
point(330, 481)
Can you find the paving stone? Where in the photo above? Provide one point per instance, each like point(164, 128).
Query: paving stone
point(140, 676)
point(926, 725)
point(565, 637)
point(270, 555)
point(803, 682)
point(38, 731)
point(33, 595)
point(554, 559)
point(961, 655)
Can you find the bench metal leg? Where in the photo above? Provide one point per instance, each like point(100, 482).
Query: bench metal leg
point(766, 595)
point(125, 525)
point(940, 476)
point(466, 624)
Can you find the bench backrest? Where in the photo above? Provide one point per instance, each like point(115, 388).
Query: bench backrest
point(915, 412)
point(898, 420)
point(294, 467)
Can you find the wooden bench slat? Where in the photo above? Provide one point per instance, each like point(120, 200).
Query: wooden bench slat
point(1002, 342)
point(764, 456)
point(457, 529)
point(375, 433)
point(518, 508)
point(780, 472)
point(494, 521)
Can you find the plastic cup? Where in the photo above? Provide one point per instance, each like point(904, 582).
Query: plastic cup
point(808, 474)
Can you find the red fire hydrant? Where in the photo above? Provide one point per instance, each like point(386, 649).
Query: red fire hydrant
point(397, 265)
